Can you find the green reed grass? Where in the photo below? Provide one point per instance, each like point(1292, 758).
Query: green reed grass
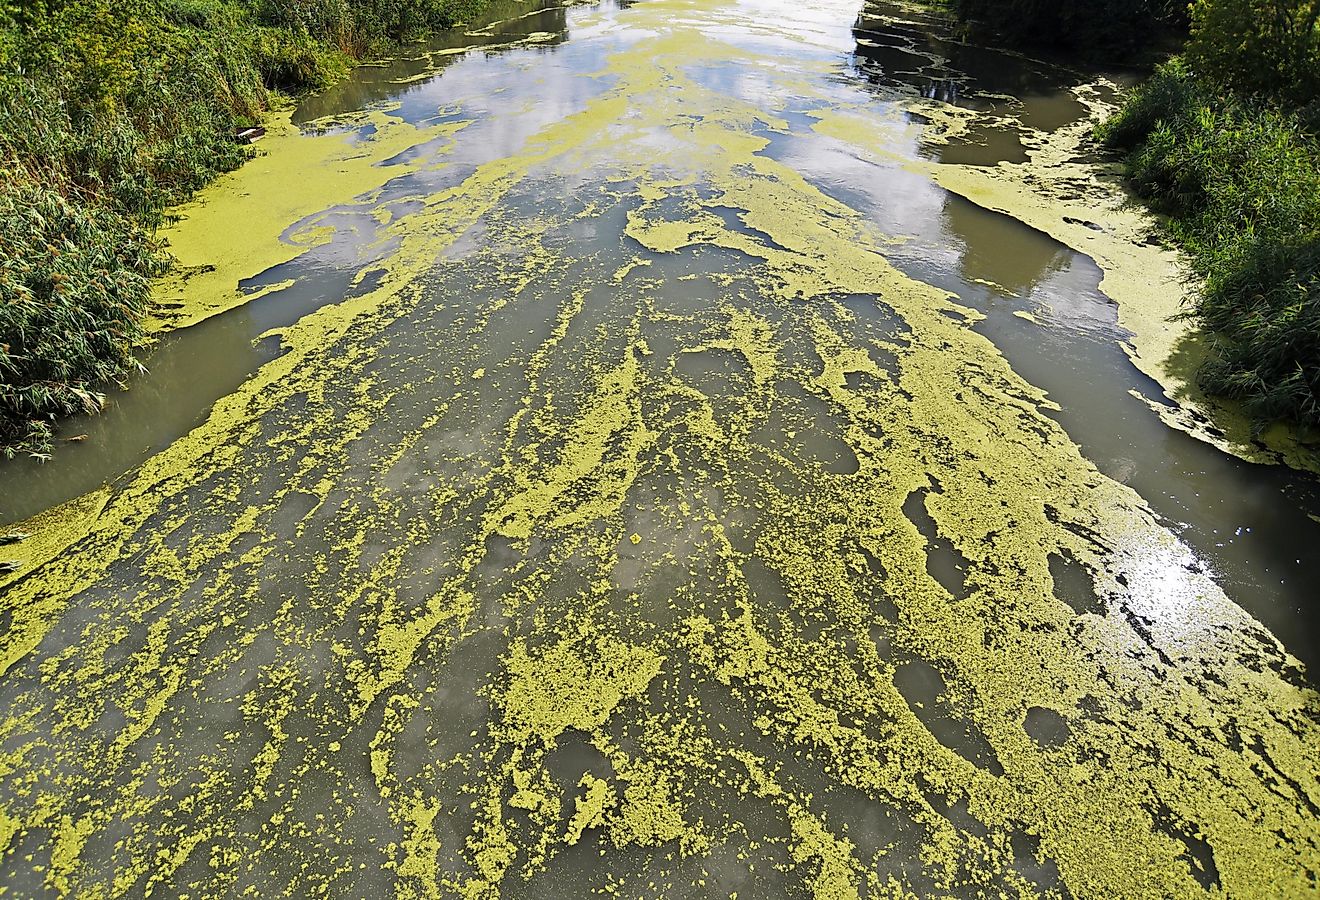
point(1240, 181)
point(111, 111)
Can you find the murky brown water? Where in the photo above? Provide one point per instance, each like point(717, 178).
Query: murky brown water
point(660, 491)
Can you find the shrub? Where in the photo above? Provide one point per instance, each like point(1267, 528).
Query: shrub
point(74, 285)
point(1266, 311)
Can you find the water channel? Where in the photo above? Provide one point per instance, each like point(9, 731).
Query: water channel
point(600, 453)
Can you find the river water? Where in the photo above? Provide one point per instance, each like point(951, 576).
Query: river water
point(595, 454)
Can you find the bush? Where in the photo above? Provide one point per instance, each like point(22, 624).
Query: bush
point(1266, 308)
point(74, 285)
point(1263, 48)
point(292, 61)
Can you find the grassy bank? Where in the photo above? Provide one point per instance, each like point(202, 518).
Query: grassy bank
point(1224, 141)
point(110, 112)
point(1239, 178)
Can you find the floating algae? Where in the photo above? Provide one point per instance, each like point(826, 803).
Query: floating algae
point(30, 544)
point(380, 626)
point(257, 218)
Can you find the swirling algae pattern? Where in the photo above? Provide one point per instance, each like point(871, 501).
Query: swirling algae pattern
point(725, 570)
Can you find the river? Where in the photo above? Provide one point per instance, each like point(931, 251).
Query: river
point(684, 448)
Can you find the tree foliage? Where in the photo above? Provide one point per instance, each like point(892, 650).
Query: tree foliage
point(1265, 48)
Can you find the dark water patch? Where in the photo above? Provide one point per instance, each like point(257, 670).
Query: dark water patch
point(867, 385)
point(1197, 852)
point(1050, 111)
point(882, 637)
point(883, 61)
point(877, 319)
point(295, 507)
point(1074, 585)
point(494, 575)
point(572, 759)
point(953, 806)
point(1046, 727)
point(366, 284)
point(1040, 870)
point(999, 250)
point(311, 286)
point(803, 427)
point(982, 145)
point(873, 826)
point(733, 220)
point(716, 373)
point(944, 562)
point(870, 575)
point(924, 689)
point(765, 586)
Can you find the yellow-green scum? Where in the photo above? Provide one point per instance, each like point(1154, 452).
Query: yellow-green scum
point(379, 625)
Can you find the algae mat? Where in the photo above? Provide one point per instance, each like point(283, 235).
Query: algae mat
point(634, 527)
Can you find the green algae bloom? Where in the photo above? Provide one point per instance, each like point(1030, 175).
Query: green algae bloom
point(633, 526)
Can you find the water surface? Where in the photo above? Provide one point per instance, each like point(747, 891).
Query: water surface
point(653, 495)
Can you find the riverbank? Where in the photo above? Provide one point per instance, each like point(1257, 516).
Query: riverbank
point(1222, 142)
point(1063, 190)
point(1239, 182)
point(1060, 182)
point(109, 117)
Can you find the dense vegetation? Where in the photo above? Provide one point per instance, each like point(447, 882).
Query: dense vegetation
point(1224, 140)
point(111, 111)
point(1241, 182)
